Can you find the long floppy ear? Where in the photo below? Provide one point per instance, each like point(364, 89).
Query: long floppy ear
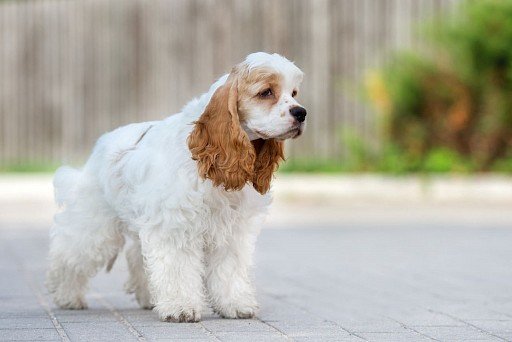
point(270, 153)
point(222, 149)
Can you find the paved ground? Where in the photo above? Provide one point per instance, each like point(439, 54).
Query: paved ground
point(324, 272)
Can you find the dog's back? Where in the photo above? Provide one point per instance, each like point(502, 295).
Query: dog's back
point(109, 147)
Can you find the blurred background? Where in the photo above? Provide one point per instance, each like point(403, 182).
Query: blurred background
point(392, 86)
point(72, 70)
point(419, 89)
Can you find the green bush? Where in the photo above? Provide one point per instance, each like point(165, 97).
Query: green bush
point(27, 167)
point(449, 108)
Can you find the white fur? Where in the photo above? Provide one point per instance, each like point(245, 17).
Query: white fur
point(277, 123)
point(192, 242)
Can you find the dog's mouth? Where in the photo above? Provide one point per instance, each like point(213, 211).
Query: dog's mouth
point(261, 135)
point(293, 133)
point(299, 131)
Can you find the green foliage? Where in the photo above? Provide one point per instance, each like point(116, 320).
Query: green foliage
point(478, 40)
point(503, 165)
point(394, 160)
point(26, 167)
point(449, 108)
point(313, 166)
point(445, 160)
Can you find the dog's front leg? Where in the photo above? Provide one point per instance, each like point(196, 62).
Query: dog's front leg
point(173, 261)
point(228, 279)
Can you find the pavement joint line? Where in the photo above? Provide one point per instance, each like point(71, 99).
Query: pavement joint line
point(39, 295)
point(274, 328)
point(470, 325)
point(208, 332)
point(130, 327)
point(406, 327)
point(120, 318)
point(346, 330)
point(325, 319)
point(44, 304)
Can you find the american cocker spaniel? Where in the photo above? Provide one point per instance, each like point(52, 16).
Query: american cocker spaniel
point(189, 190)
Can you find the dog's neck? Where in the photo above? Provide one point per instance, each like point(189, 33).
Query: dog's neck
point(258, 144)
point(250, 133)
point(252, 136)
point(256, 140)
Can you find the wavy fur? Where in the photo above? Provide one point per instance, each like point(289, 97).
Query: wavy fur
point(223, 151)
point(164, 184)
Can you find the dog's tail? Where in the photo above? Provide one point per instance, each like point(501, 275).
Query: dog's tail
point(65, 184)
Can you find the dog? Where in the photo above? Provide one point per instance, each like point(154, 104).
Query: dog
point(189, 190)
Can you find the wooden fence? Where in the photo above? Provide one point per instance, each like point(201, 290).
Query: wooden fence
point(71, 70)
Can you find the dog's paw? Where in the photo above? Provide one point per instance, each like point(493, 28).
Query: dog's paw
point(189, 317)
point(144, 300)
point(245, 314)
point(73, 304)
point(146, 306)
point(241, 311)
point(178, 314)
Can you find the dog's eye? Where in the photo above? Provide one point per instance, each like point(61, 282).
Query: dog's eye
point(294, 93)
point(266, 93)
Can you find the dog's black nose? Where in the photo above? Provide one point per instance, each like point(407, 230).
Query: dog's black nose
point(298, 113)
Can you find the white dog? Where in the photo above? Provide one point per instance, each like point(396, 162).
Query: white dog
point(187, 190)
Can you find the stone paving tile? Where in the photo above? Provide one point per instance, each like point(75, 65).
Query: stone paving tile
point(13, 284)
point(456, 333)
point(216, 324)
point(393, 337)
point(42, 322)
point(20, 314)
point(183, 338)
point(29, 335)
point(349, 338)
point(85, 317)
point(170, 330)
point(501, 328)
point(252, 336)
point(97, 331)
point(426, 318)
point(142, 317)
point(308, 329)
point(29, 309)
point(382, 326)
point(476, 312)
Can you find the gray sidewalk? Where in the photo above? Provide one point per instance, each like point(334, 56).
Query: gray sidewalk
point(325, 271)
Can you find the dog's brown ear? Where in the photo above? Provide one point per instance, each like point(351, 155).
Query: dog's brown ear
point(269, 154)
point(218, 143)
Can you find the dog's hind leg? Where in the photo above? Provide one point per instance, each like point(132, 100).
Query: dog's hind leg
point(138, 281)
point(85, 237)
point(77, 251)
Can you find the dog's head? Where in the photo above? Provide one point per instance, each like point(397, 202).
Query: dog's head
point(258, 97)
